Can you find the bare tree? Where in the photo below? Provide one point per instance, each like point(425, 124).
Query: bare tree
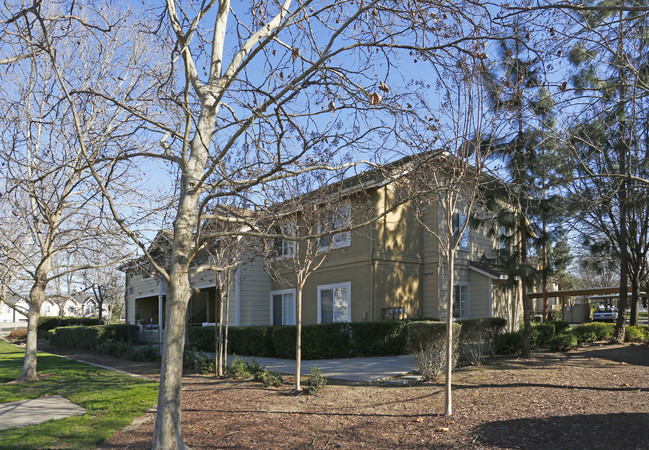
point(450, 174)
point(47, 179)
point(305, 228)
point(288, 88)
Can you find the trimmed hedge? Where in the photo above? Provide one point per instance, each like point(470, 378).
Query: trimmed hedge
point(492, 324)
point(46, 323)
point(321, 341)
point(595, 331)
point(509, 343)
point(636, 334)
point(91, 337)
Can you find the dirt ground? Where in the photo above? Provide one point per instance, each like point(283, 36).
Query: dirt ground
point(594, 397)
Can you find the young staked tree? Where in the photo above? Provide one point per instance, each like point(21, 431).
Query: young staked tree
point(309, 221)
point(448, 182)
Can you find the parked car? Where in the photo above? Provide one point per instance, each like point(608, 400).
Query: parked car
point(605, 315)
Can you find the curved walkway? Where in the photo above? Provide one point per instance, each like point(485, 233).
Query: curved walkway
point(37, 410)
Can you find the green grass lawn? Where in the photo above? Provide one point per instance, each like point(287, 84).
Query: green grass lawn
point(642, 314)
point(112, 400)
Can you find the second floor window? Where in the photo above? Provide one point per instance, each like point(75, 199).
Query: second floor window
point(284, 247)
point(332, 220)
point(459, 219)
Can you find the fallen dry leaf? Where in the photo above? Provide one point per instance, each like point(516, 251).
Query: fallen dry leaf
point(442, 430)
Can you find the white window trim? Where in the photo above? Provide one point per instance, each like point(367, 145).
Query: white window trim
point(468, 301)
point(282, 292)
point(287, 228)
point(346, 240)
point(324, 287)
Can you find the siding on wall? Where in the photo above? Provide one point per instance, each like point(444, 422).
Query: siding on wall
point(478, 295)
point(141, 287)
point(254, 294)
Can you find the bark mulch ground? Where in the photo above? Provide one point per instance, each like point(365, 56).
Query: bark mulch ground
point(594, 397)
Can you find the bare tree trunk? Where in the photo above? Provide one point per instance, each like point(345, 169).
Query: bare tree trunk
point(33, 314)
point(227, 322)
point(450, 262)
point(528, 308)
point(544, 274)
point(167, 432)
point(298, 334)
point(219, 350)
point(633, 319)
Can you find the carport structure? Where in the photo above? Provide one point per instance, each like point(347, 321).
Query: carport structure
point(565, 295)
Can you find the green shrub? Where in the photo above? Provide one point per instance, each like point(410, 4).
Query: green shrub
point(271, 378)
point(596, 331)
point(202, 338)
point(509, 343)
point(143, 353)
point(542, 334)
point(324, 341)
point(381, 338)
point(198, 362)
point(46, 323)
point(427, 344)
point(564, 342)
point(125, 332)
point(238, 369)
point(559, 325)
point(636, 334)
point(283, 338)
point(90, 337)
point(554, 316)
point(315, 382)
point(253, 341)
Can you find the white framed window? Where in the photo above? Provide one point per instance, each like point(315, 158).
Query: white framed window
point(283, 248)
point(282, 307)
point(461, 301)
point(459, 219)
point(6, 309)
point(47, 308)
point(334, 303)
point(332, 220)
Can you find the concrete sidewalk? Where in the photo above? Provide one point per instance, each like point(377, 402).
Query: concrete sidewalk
point(349, 369)
point(37, 410)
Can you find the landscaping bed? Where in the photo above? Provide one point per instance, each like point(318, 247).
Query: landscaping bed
point(594, 397)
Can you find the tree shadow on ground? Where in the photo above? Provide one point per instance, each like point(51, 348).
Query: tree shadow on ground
point(636, 354)
point(623, 430)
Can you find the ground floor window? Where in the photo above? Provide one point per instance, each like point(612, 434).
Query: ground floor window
point(334, 303)
point(461, 301)
point(283, 307)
